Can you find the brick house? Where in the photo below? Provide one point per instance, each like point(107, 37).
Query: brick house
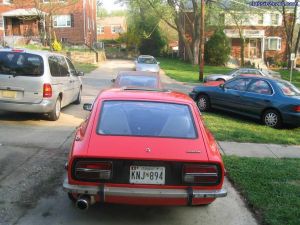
point(73, 21)
point(109, 28)
point(264, 37)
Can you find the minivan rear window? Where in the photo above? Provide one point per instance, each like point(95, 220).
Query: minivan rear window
point(21, 64)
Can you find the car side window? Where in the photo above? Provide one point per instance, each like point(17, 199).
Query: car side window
point(72, 67)
point(238, 84)
point(260, 87)
point(54, 66)
point(63, 67)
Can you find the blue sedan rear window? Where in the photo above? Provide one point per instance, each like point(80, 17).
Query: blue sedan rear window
point(287, 88)
point(155, 119)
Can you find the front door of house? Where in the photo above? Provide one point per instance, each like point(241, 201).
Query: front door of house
point(16, 26)
point(253, 48)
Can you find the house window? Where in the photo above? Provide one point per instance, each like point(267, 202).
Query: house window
point(274, 19)
point(1, 23)
point(100, 29)
point(260, 19)
point(7, 1)
point(46, 1)
point(62, 21)
point(115, 29)
point(274, 43)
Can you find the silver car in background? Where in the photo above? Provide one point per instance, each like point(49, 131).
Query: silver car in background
point(37, 82)
point(147, 63)
point(240, 71)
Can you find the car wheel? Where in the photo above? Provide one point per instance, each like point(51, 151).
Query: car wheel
point(78, 100)
point(203, 103)
point(272, 118)
point(55, 113)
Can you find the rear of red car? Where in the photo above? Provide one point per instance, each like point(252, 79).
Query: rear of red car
point(145, 152)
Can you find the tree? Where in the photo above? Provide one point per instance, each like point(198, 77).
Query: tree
point(172, 13)
point(217, 49)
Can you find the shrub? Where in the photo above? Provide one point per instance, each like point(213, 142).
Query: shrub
point(217, 49)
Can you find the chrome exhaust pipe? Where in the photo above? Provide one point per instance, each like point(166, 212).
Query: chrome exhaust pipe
point(83, 203)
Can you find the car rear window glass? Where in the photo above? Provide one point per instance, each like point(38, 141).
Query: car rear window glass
point(21, 64)
point(140, 118)
point(287, 88)
point(146, 60)
point(139, 81)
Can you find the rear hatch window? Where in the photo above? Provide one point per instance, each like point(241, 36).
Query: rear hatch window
point(21, 64)
point(153, 119)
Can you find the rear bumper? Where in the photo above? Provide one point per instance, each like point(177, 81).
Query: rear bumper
point(127, 194)
point(291, 118)
point(44, 106)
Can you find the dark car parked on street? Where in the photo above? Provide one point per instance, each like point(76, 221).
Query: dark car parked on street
point(273, 101)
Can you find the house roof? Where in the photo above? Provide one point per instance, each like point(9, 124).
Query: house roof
point(112, 20)
point(23, 12)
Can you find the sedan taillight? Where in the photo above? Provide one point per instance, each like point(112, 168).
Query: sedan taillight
point(87, 170)
point(201, 174)
point(297, 108)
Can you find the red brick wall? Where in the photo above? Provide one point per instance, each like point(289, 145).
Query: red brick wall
point(79, 33)
point(108, 35)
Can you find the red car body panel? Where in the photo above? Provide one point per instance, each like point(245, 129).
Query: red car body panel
point(89, 144)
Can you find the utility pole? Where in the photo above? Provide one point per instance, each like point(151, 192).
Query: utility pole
point(202, 40)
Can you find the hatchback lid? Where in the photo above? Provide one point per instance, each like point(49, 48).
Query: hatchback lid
point(21, 77)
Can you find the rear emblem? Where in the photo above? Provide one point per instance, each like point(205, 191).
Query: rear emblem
point(193, 151)
point(148, 150)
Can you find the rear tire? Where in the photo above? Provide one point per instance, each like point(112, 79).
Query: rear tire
point(55, 113)
point(78, 100)
point(203, 103)
point(272, 118)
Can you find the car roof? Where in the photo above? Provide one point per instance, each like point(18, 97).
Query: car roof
point(145, 94)
point(38, 52)
point(137, 73)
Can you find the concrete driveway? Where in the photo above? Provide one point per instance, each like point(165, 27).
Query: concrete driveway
point(34, 150)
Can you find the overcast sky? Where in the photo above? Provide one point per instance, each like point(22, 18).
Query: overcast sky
point(109, 5)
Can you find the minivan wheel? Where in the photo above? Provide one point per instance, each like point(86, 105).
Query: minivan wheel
point(272, 118)
point(55, 113)
point(78, 100)
point(203, 103)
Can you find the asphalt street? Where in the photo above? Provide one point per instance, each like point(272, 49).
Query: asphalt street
point(32, 156)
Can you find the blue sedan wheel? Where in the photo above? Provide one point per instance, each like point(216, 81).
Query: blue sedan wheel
point(203, 103)
point(272, 118)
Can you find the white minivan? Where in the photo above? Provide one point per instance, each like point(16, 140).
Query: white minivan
point(37, 82)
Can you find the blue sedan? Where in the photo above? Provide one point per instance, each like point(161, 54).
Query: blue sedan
point(275, 102)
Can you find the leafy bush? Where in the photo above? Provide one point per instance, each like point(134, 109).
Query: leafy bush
point(217, 49)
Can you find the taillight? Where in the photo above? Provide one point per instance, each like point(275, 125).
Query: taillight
point(297, 108)
point(201, 174)
point(87, 170)
point(47, 91)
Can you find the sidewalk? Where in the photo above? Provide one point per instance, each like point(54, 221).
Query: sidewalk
point(259, 150)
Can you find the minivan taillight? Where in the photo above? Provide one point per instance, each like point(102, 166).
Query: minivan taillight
point(297, 108)
point(47, 91)
point(91, 170)
point(201, 174)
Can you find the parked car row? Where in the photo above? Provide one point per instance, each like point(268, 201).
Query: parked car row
point(37, 82)
point(143, 145)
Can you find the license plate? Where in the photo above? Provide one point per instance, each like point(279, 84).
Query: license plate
point(147, 175)
point(8, 94)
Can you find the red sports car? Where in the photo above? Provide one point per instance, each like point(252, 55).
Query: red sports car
point(144, 147)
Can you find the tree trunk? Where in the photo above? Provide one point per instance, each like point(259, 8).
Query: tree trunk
point(242, 53)
point(196, 51)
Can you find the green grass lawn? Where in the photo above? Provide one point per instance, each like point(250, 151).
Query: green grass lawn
point(231, 127)
point(85, 67)
point(285, 74)
point(271, 187)
point(186, 72)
